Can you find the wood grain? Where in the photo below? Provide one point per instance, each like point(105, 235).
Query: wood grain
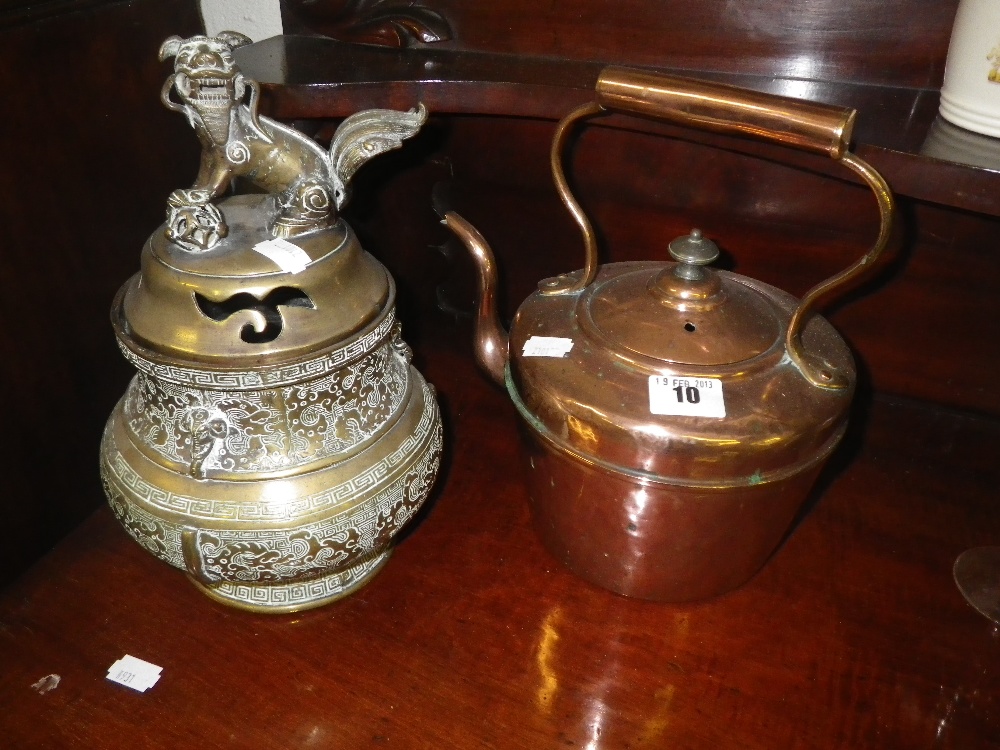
point(896, 43)
point(854, 635)
point(91, 158)
point(315, 77)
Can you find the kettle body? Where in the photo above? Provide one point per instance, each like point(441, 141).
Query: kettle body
point(666, 480)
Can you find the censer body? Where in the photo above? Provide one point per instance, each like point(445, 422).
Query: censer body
point(275, 438)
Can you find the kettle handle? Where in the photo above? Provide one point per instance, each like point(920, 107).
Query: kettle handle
point(717, 107)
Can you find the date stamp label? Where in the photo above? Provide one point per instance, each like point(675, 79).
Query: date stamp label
point(686, 397)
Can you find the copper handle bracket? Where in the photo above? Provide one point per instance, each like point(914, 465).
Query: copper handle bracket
point(703, 105)
point(571, 283)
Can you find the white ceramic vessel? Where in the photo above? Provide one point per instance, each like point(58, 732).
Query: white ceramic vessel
point(970, 95)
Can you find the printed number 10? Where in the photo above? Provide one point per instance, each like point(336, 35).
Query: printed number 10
point(689, 394)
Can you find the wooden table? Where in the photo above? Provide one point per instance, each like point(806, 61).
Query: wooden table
point(853, 636)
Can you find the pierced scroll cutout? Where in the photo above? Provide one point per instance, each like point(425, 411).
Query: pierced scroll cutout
point(265, 318)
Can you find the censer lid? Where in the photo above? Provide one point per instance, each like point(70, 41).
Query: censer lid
point(252, 299)
point(682, 313)
point(267, 278)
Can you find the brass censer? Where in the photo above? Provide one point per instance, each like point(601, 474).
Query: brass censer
point(676, 415)
point(276, 437)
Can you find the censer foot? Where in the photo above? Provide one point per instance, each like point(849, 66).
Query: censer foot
point(295, 596)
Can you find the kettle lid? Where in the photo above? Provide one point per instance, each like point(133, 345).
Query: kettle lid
point(626, 348)
point(682, 313)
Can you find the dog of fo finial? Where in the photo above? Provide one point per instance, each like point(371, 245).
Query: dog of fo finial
point(309, 184)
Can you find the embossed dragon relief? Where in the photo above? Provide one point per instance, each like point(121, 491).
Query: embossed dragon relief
point(156, 536)
point(277, 555)
point(309, 184)
point(257, 510)
point(263, 430)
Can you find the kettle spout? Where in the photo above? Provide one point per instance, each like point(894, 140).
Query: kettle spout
point(490, 336)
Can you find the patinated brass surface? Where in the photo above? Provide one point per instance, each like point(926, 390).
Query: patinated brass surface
point(276, 438)
point(343, 290)
point(662, 504)
point(977, 574)
point(308, 182)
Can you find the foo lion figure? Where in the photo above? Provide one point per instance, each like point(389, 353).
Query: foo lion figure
point(309, 184)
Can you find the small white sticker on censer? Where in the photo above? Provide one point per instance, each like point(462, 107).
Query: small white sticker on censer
point(286, 255)
point(686, 397)
point(134, 673)
point(546, 346)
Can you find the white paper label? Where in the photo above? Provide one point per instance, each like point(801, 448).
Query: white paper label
point(546, 346)
point(687, 397)
point(286, 255)
point(134, 673)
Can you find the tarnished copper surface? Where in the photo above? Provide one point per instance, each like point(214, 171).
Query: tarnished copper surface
point(723, 108)
point(636, 492)
point(727, 109)
point(595, 400)
point(654, 539)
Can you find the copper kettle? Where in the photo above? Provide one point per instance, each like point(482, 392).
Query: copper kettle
point(676, 415)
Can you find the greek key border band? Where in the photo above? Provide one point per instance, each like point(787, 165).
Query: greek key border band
point(265, 377)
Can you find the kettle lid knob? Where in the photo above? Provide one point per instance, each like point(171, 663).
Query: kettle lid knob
point(693, 250)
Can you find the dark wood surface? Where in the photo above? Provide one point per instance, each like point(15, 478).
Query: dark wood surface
point(853, 635)
point(316, 77)
point(921, 326)
point(897, 42)
point(91, 156)
point(19, 12)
